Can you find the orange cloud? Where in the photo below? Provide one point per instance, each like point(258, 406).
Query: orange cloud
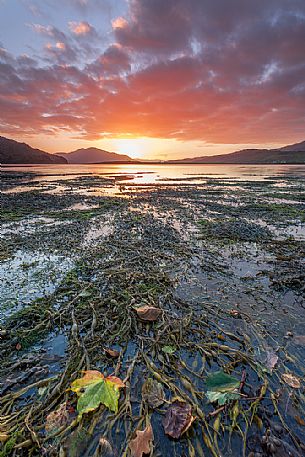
point(60, 45)
point(119, 23)
point(80, 28)
point(184, 70)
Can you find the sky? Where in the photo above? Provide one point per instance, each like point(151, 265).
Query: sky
point(155, 79)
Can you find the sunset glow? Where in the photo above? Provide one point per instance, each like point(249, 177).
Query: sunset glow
point(150, 78)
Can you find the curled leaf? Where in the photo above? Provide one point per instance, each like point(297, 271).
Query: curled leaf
point(142, 443)
point(148, 313)
point(291, 380)
point(93, 389)
point(152, 393)
point(178, 419)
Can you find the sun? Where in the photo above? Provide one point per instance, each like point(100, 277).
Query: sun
point(133, 147)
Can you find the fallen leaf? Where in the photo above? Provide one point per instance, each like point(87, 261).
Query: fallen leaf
point(93, 389)
point(57, 419)
point(178, 419)
point(222, 388)
point(148, 313)
point(291, 380)
point(18, 347)
point(89, 377)
point(169, 349)
point(112, 353)
point(142, 443)
point(221, 397)
point(152, 393)
point(271, 359)
point(221, 382)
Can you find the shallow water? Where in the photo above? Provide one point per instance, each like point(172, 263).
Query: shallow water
point(151, 174)
point(28, 276)
point(167, 219)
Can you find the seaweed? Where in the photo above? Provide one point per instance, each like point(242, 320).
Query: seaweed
point(98, 307)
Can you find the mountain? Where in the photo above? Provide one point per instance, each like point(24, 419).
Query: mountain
point(297, 147)
point(93, 155)
point(292, 154)
point(12, 151)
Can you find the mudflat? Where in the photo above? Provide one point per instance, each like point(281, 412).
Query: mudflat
point(172, 307)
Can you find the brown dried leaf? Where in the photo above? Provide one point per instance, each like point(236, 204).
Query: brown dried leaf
point(291, 380)
point(57, 419)
point(153, 393)
point(178, 419)
point(142, 443)
point(148, 313)
point(112, 353)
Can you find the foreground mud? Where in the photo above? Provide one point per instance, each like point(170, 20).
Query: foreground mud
point(167, 288)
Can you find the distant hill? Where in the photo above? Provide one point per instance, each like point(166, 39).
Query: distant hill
point(93, 155)
point(12, 152)
point(297, 147)
point(292, 154)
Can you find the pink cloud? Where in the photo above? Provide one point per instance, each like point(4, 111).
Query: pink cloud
point(177, 69)
point(119, 23)
point(80, 28)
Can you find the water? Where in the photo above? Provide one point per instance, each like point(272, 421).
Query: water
point(161, 174)
point(28, 276)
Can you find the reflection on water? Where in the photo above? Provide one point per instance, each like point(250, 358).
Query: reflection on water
point(157, 173)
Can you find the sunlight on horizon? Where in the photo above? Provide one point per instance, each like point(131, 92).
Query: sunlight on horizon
point(133, 147)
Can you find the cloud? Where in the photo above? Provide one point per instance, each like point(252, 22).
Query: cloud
point(113, 61)
point(81, 28)
point(49, 31)
point(71, 47)
point(184, 69)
